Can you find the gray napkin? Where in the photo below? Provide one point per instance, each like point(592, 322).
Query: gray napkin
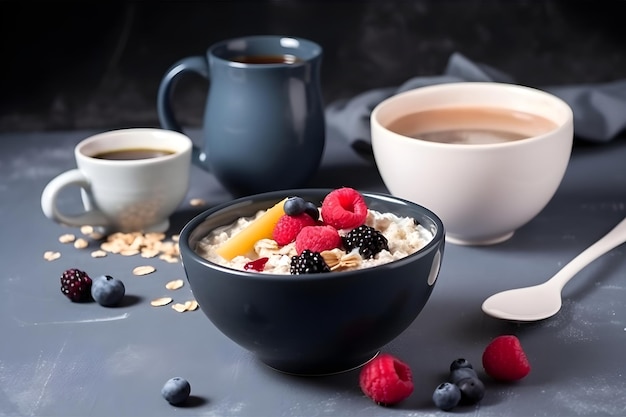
point(599, 109)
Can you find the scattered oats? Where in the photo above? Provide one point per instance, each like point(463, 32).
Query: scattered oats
point(86, 230)
point(181, 308)
point(143, 270)
point(175, 238)
point(190, 305)
point(169, 258)
point(81, 243)
point(110, 247)
point(175, 284)
point(129, 252)
point(96, 235)
point(159, 302)
point(98, 254)
point(197, 202)
point(51, 255)
point(155, 236)
point(149, 253)
point(67, 238)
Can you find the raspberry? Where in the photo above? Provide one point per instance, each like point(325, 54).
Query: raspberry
point(368, 240)
point(76, 285)
point(308, 263)
point(288, 227)
point(386, 380)
point(256, 265)
point(505, 360)
point(344, 208)
point(317, 239)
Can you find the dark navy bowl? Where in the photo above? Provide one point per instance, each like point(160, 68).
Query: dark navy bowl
point(318, 323)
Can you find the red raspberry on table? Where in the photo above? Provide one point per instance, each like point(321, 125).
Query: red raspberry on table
point(288, 227)
point(317, 239)
point(386, 380)
point(344, 208)
point(504, 359)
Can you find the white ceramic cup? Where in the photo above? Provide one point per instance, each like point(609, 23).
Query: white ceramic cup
point(125, 195)
point(482, 192)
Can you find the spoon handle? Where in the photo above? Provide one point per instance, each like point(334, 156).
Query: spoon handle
point(614, 238)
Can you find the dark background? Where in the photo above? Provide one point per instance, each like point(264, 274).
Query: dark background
point(97, 65)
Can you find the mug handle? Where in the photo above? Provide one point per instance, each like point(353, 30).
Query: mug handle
point(195, 64)
point(74, 177)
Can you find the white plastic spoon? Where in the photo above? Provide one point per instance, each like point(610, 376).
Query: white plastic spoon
point(544, 300)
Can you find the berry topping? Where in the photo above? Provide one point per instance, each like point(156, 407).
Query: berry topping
point(289, 226)
point(294, 206)
point(386, 380)
point(76, 285)
point(312, 210)
point(261, 228)
point(368, 240)
point(308, 263)
point(256, 265)
point(446, 396)
point(317, 239)
point(176, 390)
point(107, 291)
point(472, 390)
point(344, 208)
point(505, 360)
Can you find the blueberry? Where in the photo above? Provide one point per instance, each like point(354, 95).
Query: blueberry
point(107, 291)
point(294, 206)
point(462, 373)
point(460, 363)
point(176, 390)
point(312, 210)
point(446, 396)
point(472, 390)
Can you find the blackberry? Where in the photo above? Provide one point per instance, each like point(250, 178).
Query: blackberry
point(308, 262)
point(76, 285)
point(368, 240)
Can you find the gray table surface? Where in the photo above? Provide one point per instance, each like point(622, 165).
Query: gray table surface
point(59, 358)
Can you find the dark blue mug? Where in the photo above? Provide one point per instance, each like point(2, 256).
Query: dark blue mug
point(263, 126)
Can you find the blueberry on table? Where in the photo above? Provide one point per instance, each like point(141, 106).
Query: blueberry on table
point(176, 390)
point(460, 363)
point(107, 291)
point(446, 396)
point(472, 390)
point(462, 373)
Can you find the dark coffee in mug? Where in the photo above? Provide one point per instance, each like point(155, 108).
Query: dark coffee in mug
point(471, 125)
point(132, 154)
point(267, 59)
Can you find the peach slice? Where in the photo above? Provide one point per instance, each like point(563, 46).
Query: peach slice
point(262, 228)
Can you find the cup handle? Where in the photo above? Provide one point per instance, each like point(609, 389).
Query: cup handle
point(74, 177)
point(195, 64)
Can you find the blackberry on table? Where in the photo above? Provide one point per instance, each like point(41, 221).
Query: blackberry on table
point(76, 285)
point(308, 262)
point(368, 240)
